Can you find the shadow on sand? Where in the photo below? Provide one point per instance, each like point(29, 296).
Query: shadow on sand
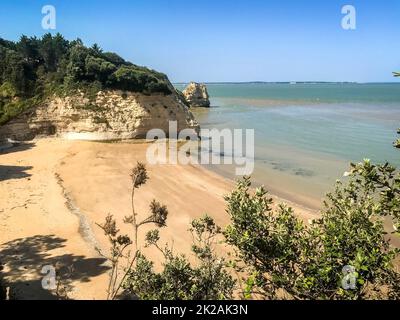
point(23, 259)
point(14, 172)
point(11, 147)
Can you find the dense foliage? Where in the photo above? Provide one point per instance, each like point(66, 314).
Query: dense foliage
point(32, 68)
point(286, 258)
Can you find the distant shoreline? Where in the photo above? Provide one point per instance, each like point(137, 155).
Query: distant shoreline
point(290, 82)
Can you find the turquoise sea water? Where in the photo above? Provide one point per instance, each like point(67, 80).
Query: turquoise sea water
point(306, 134)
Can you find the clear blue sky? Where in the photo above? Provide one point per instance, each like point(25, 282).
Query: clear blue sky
point(220, 40)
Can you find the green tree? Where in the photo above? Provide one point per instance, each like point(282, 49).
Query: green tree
point(76, 68)
point(96, 50)
point(18, 73)
point(52, 50)
point(29, 49)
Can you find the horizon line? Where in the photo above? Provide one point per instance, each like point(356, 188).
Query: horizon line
point(288, 82)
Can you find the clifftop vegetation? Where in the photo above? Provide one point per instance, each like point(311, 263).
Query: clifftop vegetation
point(34, 68)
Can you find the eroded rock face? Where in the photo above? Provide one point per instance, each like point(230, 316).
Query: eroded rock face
point(113, 115)
point(196, 95)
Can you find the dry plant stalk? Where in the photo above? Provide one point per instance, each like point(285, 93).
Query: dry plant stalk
point(121, 245)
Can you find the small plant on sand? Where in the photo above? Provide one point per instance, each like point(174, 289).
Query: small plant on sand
point(121, 245)
point(208, 279)
point(63, 281)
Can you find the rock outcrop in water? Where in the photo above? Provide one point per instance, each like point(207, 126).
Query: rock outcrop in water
point(196, 95)
point(110, 115)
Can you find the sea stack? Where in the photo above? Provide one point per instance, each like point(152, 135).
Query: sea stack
point(196, 95)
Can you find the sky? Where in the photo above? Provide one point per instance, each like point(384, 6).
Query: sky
point(221, 40)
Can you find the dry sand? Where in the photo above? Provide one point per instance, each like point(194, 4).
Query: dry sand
point(53, 192)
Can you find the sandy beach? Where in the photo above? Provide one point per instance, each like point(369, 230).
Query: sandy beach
point(53, 192)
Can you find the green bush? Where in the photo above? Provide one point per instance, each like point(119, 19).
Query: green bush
point(208, 279)
point(289, 259)
point(14, 108)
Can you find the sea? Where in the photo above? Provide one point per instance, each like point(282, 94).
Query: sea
point(306, 134)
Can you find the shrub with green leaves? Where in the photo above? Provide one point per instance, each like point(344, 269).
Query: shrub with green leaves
point(289, 259)
point(208, 279)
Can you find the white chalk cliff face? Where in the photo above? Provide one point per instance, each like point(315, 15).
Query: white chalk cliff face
point(196, 95)
point(110, 115)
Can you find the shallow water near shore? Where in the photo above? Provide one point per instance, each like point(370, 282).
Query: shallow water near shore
point(307, 134)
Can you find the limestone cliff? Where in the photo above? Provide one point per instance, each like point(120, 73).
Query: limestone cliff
point(107, 116)
point(196, 95)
